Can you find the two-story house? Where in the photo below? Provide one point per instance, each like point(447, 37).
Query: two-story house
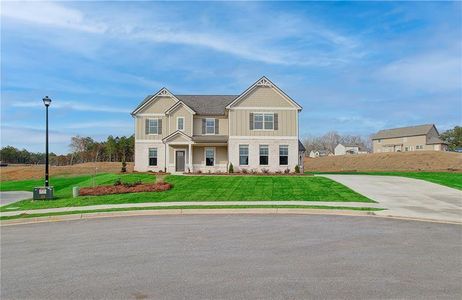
point(413, 138)
point(255, 130)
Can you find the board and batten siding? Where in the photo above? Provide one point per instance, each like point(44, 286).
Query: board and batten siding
point(263, 96)
point(140, 128)
point(240, 123)
point(158, 105)
point(222, 124)
point(181, 112)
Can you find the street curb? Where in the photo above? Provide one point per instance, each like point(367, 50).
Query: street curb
point(199, 211)
point(224, 211)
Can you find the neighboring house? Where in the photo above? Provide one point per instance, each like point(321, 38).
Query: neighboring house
point(257, 129)
point(413, 138)
point(319, 153)
point(341, 149)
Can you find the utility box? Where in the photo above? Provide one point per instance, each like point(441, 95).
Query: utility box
point(43, 193)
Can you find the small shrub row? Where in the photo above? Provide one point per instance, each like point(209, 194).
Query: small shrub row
point(125, 188)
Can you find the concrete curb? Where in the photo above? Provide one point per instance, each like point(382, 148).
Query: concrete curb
point(224, 211)
point(199, 211)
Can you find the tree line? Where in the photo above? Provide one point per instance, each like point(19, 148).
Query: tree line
point(331, 139)
point(82, 149)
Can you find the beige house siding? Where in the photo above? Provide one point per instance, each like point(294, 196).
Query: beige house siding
point(263, 96)
point(222, 124)
point(400, 144)
point(240, 124)
point(140, 128)
point(181, 112)
point(159, 105)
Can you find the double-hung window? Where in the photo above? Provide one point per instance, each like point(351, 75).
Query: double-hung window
point(209, 156)
point(180, 123)
point(153, 126)
point(419, 147)
point(243, 155)
point(283, 155)
point(210, 126)
point(153, 156)
point(264, 154)
point(263, 121)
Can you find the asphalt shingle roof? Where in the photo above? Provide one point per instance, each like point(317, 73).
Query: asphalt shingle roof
point(403, 131)
point(207, 104)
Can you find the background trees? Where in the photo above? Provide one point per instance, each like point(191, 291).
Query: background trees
point(82, 149)
point(331, 139)
point(453, 137)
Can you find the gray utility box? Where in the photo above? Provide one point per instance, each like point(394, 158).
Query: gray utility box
point(43, 193)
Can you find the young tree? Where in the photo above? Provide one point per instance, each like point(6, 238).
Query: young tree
point(453, 137)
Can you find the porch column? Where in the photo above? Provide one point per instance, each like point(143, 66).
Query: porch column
point(190, 157)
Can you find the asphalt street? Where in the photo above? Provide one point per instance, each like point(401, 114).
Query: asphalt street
point(232, 257)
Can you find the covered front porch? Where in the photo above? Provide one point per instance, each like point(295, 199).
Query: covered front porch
point(196, 154)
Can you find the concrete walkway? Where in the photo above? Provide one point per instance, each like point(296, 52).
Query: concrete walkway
point(202, 203)
point(10, 197)
point(407, 197)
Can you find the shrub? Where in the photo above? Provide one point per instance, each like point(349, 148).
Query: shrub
point(253, 171)
point(231, 168)
point(160, 178)
point(244, 171)
point(199, 172)
point(278, 172)
point(265, 171)
point(124, 167)
point(118, 182)
point(297, 169)
point(286, 171)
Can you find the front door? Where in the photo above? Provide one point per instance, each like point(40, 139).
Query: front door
point(180, 161)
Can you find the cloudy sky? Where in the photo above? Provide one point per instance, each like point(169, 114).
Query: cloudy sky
point(354, 67)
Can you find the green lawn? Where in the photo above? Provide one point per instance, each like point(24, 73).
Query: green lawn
point(191, 188)
point(453, 180)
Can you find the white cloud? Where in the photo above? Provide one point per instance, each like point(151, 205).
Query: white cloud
point(50, 14)
point(438, 71)
point(74, 106)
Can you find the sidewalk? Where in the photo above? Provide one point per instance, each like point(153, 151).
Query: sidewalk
point(189, 203)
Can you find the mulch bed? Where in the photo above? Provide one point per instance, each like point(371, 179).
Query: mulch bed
point(124, 189)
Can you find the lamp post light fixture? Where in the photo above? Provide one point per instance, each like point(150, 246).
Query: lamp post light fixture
point(47, 191)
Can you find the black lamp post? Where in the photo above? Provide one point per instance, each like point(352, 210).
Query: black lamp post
point(43, 193)
point(47, 102)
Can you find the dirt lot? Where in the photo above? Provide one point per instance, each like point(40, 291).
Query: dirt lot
point(21, 172)
point(401, 161)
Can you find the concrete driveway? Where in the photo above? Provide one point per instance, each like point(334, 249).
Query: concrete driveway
point(407, 197)
point(232, 257)
point(10, 197)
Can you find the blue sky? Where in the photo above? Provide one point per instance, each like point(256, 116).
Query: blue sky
point(355, 67)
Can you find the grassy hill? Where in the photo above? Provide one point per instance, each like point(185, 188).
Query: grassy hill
point(432, 161)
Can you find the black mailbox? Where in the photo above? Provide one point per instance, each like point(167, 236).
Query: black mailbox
point(43, 193)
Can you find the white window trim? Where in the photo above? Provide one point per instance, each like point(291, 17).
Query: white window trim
point(177, 118)
point(248, 154)
point(214, 126)
point(214, 156)
point(279, 156)
point(157, 126)
point(259, 154)
point(149, 157)
point(263, 113)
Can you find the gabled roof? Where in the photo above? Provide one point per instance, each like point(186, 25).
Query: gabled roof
point(301, 147)
point(162, 92)
point(264, 82)
point(176, 105)
point(173, 134)
point(435, 140)
point(403, 131)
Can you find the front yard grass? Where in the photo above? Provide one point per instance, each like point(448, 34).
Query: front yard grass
point(453, 180)
point(190, 188)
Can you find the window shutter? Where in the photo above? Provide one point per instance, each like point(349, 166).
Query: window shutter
point(276, 121)
point(159, 126)
point(147, 126)
point(251, 121)
point(216, 126)
point(203, 126)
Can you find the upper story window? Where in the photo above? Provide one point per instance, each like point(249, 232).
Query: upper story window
point(263, 121)
point(210, 126)
point(180, 123)
point(153, 126)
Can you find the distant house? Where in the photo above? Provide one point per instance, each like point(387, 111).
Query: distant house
point(319, 153)
point(341, 149)
point(413, 138)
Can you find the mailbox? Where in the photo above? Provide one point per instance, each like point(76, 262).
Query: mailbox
point(43, 193)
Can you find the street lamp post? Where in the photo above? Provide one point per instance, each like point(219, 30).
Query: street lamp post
point(47, 102)
point(47, 191)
